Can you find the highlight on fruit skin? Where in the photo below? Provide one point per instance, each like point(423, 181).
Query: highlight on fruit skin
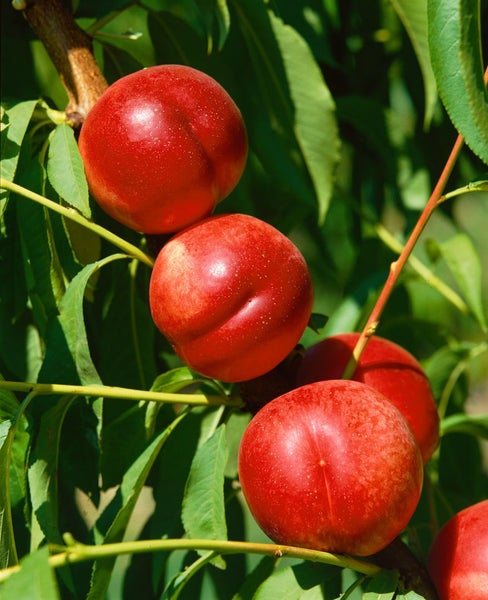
point(232, 294)
point(331, 466)
point(458, 558)
point(389, 368)
point(162, 146)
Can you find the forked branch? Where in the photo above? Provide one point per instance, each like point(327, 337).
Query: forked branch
point(71, 51)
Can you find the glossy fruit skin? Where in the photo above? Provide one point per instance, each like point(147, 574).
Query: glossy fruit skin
point(232, 294)
point(387, 367)
point(331, 466)
point(458, 558)
point(162, 146)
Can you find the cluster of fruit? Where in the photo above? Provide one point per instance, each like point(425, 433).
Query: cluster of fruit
point(161, 147)
point(331, 464)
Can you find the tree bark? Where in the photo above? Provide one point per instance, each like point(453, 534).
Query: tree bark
point(71, 51)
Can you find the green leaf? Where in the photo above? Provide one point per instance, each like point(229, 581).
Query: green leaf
point(117, 62)
point(203, 510)
point(440, 366)
point(65, 169)
point(411, 595)
point(457, 62)
point(290, 583)
point(8, 550)
point(111, 526)
point(70, 327)
point(9, 404)
point(461, 476)
point(475, 425)
point(382, 586)
point(369, 119)
point(14, 441)
point(255, 578)
point(463, 261)
point(45, 282)
point(15, 120)
point(270, 113)
point(314, 119)
point(34, 581)
point(413, 14)
point(175, 586)
point(216, 17)
point(43, 471)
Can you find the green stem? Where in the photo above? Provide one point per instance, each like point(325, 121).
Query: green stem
point(389, 240)
point(105, 391)
point(477, 186)
point(76, 552)
point(73, 215)
point(454, 376)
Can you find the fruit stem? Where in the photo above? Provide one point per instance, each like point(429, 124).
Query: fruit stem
point(105, 391)
point(71, 52)
point(413, 573)
point(73, 215)
point(397, 266)
point(75, 552)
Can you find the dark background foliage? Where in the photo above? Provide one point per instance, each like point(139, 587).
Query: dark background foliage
point(347, 139)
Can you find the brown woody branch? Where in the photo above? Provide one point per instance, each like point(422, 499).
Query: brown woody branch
point(71, 52)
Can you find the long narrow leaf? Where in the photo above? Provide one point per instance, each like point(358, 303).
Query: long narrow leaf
point(455, 48)
point(70, 327)
point(413, 14)
point(315, 122)
point(126, 498)
point(13, 448)
point(43, 473)
point(15, 120)
point(203, 511)
point(65, 169)
point(463, 261)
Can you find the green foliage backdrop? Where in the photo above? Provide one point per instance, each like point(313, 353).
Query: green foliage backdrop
point(352, 109)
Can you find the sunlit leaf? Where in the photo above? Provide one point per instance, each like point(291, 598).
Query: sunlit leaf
point(65, 169)
point(15, 120)
point(72, 323)
point(8, 551)
point(314, 119)
point(34, 581)
point(463, 261)
point(255, 578)
point(455, 48)
point(413, 14)
point(203, 510)
point(290, 583)
point(43, 472)
point(112, 524)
